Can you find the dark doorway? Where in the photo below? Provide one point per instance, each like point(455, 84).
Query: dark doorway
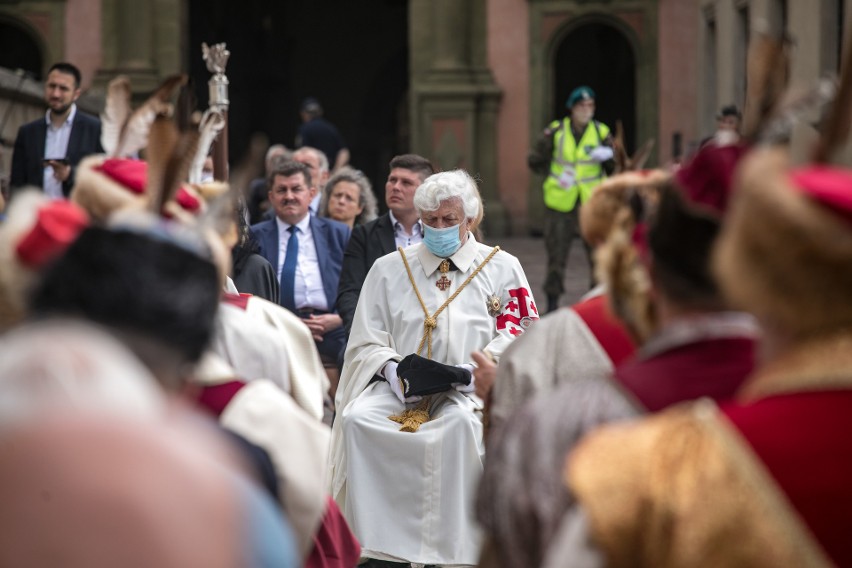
point(598, 55)
point(352, 56)
point(18, 50)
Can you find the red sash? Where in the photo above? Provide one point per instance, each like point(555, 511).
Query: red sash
point(237, 300)
point(214, 398)
point(334, 544)
point(606, 328)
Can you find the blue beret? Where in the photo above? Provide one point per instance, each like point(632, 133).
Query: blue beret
point(579, 94)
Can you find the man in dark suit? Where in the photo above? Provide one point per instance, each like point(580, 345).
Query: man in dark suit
point(48, 150)
point(399, 227)
point(307, 253)
point(315, 131)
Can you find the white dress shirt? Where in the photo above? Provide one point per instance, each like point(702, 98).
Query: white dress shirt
point(402, 238)
point(315, 203)
point(308, 291)
point(56, 146)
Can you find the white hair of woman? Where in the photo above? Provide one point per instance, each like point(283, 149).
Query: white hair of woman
point(444, 186)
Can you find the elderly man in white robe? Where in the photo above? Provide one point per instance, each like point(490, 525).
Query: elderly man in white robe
point(408, 496)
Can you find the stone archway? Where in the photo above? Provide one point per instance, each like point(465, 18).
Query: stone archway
point(19, 49)
point(628, 30)
point(598, 55)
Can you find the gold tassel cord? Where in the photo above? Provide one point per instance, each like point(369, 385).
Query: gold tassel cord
point(412, 418)
point(430, 322)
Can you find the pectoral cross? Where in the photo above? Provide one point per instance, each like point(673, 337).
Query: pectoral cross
point(443, 282)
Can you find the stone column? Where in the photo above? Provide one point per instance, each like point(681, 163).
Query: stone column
point(454, 98)
point(133, 23)
point(726, 54)
point(451, 34)
point(140, 40)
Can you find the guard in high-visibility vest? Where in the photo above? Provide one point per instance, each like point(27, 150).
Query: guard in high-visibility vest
point(582, 147)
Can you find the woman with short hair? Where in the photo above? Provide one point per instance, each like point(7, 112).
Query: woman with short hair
point(348, 198)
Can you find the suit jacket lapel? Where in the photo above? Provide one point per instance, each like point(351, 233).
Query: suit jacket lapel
point(319, 230)
point(75, 139)
point(270, 243)
point(386, 237)
point(40, 139)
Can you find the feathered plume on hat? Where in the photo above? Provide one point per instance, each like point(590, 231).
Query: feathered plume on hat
point(175, 144)
point(115, 181)
point(785, 253)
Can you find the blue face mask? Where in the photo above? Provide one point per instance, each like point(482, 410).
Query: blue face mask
point(442, 242)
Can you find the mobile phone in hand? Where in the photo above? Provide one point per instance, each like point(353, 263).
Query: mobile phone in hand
point(63, 161)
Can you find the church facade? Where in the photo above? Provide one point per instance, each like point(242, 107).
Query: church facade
point(467, 83)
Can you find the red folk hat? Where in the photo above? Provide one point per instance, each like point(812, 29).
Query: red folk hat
point(58, 223)
point(708, 178)
point(785, 253)
point(132, 174)
point(107, 185)
point(827, 185)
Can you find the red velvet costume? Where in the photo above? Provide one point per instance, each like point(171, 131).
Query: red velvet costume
point(334, 544)
point(606, 328)
point(803, 440)
point(713, 367)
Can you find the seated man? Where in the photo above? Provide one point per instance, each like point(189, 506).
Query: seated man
point(307, 252)
point(399, 227)
point(408, 496)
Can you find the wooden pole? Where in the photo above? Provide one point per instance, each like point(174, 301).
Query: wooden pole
point(220, 152)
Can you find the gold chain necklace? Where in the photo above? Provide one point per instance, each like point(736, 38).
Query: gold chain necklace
point(412, 418)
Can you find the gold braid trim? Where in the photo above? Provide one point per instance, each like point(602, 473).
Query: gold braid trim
point(412, 418)
point(431, 322)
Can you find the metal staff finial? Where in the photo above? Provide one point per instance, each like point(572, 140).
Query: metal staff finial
point(216, 58)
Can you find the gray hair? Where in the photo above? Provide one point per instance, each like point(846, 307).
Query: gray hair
point(276, 153)
point(455, 184)
point(321, 157)
point(366, 199)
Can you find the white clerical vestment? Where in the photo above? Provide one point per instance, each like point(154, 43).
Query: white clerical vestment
point(263, 340)
point(409, 496)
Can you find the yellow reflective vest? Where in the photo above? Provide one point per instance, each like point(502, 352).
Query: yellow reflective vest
point(572, 173)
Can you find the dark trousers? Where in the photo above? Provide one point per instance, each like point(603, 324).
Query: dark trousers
point(332, 342)
point(559, 232)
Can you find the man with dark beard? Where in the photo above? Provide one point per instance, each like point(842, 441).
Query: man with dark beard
point(48, 150)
